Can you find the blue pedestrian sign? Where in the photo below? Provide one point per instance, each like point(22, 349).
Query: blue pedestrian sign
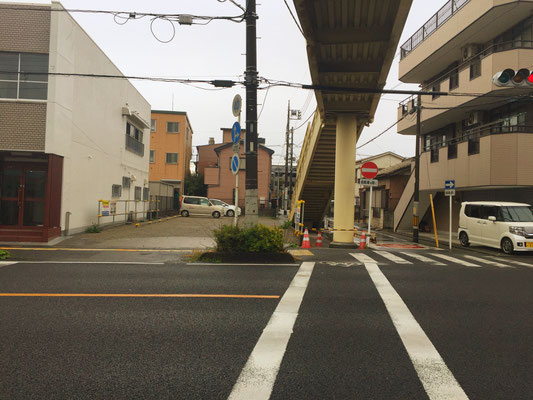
point(235, 164)
point(450, 184)
point(236, 132)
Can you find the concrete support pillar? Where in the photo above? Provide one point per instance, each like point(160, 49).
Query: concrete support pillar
point(344, 179)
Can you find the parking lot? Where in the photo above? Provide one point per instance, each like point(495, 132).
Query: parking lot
point(176, 232)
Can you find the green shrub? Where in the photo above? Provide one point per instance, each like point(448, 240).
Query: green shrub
point(254, 239)
point(287, 225)
point(4, 254)
point(230, 239)
point(93, 229)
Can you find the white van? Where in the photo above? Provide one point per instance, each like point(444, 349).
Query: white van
point(508, 226)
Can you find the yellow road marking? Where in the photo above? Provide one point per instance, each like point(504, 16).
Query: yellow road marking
point(300, 252)
point(69, 249)
point(170, 295)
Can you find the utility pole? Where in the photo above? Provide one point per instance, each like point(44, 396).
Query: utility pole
point(286, 186)
point(290, 168)
point(416, 196)
point(251, 216)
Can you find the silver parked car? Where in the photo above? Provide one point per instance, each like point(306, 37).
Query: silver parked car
point(196, 205)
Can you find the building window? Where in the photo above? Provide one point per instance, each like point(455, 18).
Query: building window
point(134, 132)
point(172, 158)
point(146, 193)
point(173, 127)
point(475, 68)
point(126, 182)
point(152, 156)
point(435, 88)
point(116, 191)
point(473, 144)
point(23, 76)
point(434, 154)
point(153, 125)
point(454, 78)
point(138, 193)
point(134, 139)
point(452, 149)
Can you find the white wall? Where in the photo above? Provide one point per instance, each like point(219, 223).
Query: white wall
point(85, 123)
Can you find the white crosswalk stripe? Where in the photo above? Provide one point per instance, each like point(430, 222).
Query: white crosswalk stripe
point(455, 260)
point(392, 257)
point(489, 262)
point(363, 258)
point(422, 258)
point(473, 261)
point(6, 263)
point(435, 376)
point(522, 264)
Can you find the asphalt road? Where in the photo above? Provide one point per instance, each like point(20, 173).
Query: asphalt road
point(346, 341)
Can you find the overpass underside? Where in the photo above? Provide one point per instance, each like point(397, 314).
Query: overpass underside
point(350, 44)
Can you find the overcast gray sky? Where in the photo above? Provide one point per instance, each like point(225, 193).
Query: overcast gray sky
point(217, 50)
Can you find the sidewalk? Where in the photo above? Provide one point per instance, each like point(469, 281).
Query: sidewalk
point(443, 237)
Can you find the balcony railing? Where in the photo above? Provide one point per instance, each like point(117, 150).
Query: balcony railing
point(472, 135)
point(434, 23)
point(134, 145)
point(488, 50)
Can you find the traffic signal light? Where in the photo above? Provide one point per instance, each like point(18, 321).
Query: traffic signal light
point(511, 78)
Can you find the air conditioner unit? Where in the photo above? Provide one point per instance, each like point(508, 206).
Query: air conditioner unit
point(473, 118)
point(470, 51)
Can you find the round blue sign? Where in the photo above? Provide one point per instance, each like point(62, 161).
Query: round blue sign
point(236, 132)
point(235, 164)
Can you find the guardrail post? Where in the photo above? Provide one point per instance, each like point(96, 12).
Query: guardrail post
point(98, 221)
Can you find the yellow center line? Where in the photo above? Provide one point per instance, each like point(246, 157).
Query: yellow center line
point(73, 249)
point(159, 295)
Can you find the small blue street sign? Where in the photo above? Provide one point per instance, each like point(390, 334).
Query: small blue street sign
point(236, 132)
point(235, 164)
point(450, 184)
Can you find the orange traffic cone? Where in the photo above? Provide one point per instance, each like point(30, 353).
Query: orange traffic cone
point(362, 242)
point(306, 244)
point(319, 240)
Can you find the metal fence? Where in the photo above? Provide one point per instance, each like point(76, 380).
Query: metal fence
point(434, 23)
point(125, 211)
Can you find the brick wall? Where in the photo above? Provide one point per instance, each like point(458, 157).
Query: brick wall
point(23, 126)
point(224, 190)
point(23, 30)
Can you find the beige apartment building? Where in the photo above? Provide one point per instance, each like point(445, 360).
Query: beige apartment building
point(480, 135)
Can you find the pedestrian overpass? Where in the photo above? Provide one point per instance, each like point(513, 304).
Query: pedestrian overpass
point(350, 44)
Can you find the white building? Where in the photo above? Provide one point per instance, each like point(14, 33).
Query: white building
point(65, 141)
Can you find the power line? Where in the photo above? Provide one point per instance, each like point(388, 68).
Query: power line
point(130, 14)
point(234, 2)
point(308, 118)
point(294, 18)
point(263, 105)
point(220, 83)
point(125, 16)
point(382, 133)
